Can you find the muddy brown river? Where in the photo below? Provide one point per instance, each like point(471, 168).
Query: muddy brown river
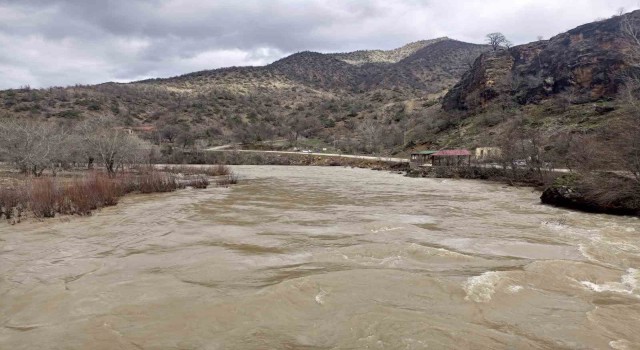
point(324, 258)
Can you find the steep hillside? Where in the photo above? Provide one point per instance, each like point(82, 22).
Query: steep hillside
point(361, 57)
point(588, 62)
point(549, 93)
point(316, 69)
point(426, 66)
point(433, 68)
point(329, 97)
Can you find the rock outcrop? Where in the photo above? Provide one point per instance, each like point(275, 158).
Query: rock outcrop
point(602, 193)
point(589, 61)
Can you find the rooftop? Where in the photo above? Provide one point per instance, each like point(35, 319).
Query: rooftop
point(452, 152)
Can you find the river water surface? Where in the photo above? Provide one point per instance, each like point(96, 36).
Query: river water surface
point(324, 258)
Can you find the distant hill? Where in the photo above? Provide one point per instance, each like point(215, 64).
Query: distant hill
point(361, 57)
point(308, 94)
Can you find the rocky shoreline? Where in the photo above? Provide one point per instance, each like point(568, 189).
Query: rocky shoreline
point(519, 177)
point(605, 193)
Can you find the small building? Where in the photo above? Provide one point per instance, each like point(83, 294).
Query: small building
point(451, 157)
point(488, 153)
point(420, 158)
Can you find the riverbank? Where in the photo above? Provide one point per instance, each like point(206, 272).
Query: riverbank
point(81, 193)
point(597, 192)
point(291, 159)
point(513, 177)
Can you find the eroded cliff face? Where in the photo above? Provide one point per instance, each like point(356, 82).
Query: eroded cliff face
point(588, 62)
point(486, 80)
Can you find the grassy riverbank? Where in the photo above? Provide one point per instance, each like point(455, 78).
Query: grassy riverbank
point(81, 193)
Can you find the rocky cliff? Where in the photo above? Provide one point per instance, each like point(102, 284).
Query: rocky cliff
point(588, 62)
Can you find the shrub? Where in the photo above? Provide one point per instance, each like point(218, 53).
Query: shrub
point(157, 182)
point(215, 170)
point(198, 182)
point(226, 180)
point(11, 202)
point(80, 198)
point(44, 197)
point(103, 190)
point(221, 169)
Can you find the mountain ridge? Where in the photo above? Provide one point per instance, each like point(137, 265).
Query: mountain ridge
point(360, 57)
point(305, 95)
point(430, 93)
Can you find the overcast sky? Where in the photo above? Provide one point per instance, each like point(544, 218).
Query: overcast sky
point(63, 42)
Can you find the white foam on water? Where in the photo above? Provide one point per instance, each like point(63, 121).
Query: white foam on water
point(385, 229)
point(606, 250)
point(555, 225)
point(514, 289)
point(391, 261)
point(621, 344)
point(583, 250)
point(627, 285)
point(481, 288)
point(420, 251)
point(320, 297)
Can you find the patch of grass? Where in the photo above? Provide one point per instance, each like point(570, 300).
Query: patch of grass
point(227, 180)
point(567, 180)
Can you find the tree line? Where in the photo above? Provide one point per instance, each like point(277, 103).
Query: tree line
point(33, 147)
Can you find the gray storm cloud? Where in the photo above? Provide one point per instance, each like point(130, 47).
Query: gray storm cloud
point(58, 42)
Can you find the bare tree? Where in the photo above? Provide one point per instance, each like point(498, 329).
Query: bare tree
point(631, 30)
point(497, 40)
point(31, 146)
point(522, 147)
point(370, 133)
point(170, 133)
point(111, 145)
